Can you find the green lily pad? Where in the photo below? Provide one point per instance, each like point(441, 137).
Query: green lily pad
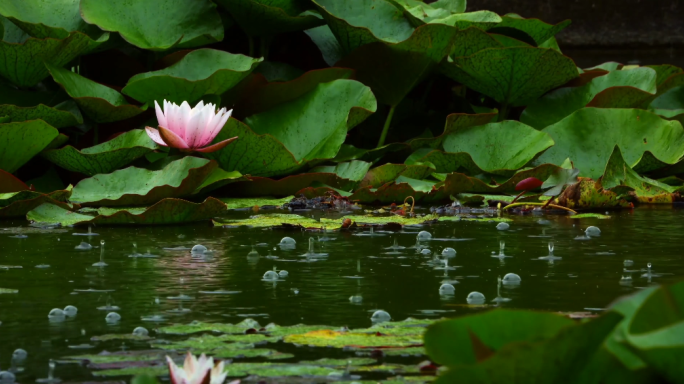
point(536, 29)
point(654, 329)
point(513, 75)
point(618, 86)
point(199, 73)
point(340, 363)
point(246, 202)
point(456, 183)
point(315, 125)
point(157, 25)
point(590, 216)
point(65, 114)
point(278, 220)
point(55, 19)
point(498, 148)
point(23, 63)
point(103, 158)
point(269, 18)
point(406, 62)
point(8, 290)
point(383, 220)
point(167, 211)
point(386, 173)
point(337, 339)
point(19, 142)
point(277, 330)
point(455, 122)
point(137, 186)
point(449, 342)
point(621, 178)
point(125, 336)
point(99, 102)
point(589, 135)
point(545, 359)
point(18, 204)
point(216, 180)
point(198, 326)
point(275, 71)
point(327, 43)
point(117, 357)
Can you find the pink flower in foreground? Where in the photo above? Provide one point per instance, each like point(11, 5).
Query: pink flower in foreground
point(189, 129)
point(197, 371)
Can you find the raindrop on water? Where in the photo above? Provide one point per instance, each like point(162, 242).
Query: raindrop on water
point(270, 275)
point(140, 331)
point(51, 379)
point(475, 298)
point(592, 231)
point(101, 263)
point(112, 317)
point(287, 243)
point(56, 314)
point(83, 246)
point(19, 355)
point(424, 235)
point(356, 299)
point(426, 251)
point(448, 252)
point(7, 377)
point(283, 273)
point(380, 316)
point(199, 249)
point(447, 289)
point(502, 226)
point(70, 310)
point(511, 279)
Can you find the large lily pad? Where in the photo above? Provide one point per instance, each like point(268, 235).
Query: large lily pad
point(536, 29)
point(655, 328)
point(65, 114)
point(103, 158)
point(513, 75)
point(619, 175)
point(199, 73)
point(386, 173)
point(337, 339)
point(137, 186)
point(625, 89)
point(280, 220)
point(589, 135)
point(158, 24)
point(23, 63)
point(315, 125)
point(54, 19)
point(99, 102)
point(499, 148)
point(589, 194)
point(17, 204)
point(19, 142)
point(167, 211)
point(269, 18)
point(454, 122)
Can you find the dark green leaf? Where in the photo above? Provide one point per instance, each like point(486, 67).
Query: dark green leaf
point(19, 142)
point(272, 17)
point(54, 19)
point(619, 174)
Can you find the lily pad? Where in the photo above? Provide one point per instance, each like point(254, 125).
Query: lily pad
point(499, 148)
point(337, 339)
point(455, 122)
point(18, 204)
point(279, 220)
point(198, 326)
point(315, 125)
point(340, 363)
point(589, 135)
point(624, 89)
point(199, 73)
point(137, 186)
point(512, 76)
point(24, 62)
point(99, 102)
point(55, 19)
point(619, 175)
point(125, 336)
point(386, 173)
point(536, 29)
point(19, 142)
point(65, 114)
point(590, 216)
point(269, 18)
point(159, 24)
point(167, 211)
point(245, 202)
point(103, 158)
point(588, 194)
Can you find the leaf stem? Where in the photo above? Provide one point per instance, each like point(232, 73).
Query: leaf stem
point(503, 112)
point(385, 128)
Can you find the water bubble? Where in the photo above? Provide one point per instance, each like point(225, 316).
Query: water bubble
point(19, 355)
point(83, 246)
point(447, 289)
point(283, 273)
point(112, 317)
point(475, 298)
point(199, 248)
point(287, 243)
point(592, 231)
point(7, 377)
point(426, 251)
point(356, 299)
point(448, 252)
point(424, 235)
point(270, 275)
point(502, 226)
point(511, 279)
point(56, 313)
point(70, 310)
point(380, 316)
point(140, 331)
point(253, 253)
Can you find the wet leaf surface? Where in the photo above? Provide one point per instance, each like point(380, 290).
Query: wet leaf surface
point(19, 142)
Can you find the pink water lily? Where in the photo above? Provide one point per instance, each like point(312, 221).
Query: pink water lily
point(197, 371)
point(189, 129)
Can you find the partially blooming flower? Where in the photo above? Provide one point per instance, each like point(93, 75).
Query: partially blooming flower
point(197, 371)
point(189, 129)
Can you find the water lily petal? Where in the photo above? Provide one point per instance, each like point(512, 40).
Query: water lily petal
point(177, 374)
point(172, 140)
point(193, 131)
point(185, 114)
point(216, 147)
point(154, 135)
point(218, 374)
point(161, 119)
point(173, 118)
point(217, 124)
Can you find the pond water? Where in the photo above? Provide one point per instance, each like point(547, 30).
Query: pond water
point(403, 282)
